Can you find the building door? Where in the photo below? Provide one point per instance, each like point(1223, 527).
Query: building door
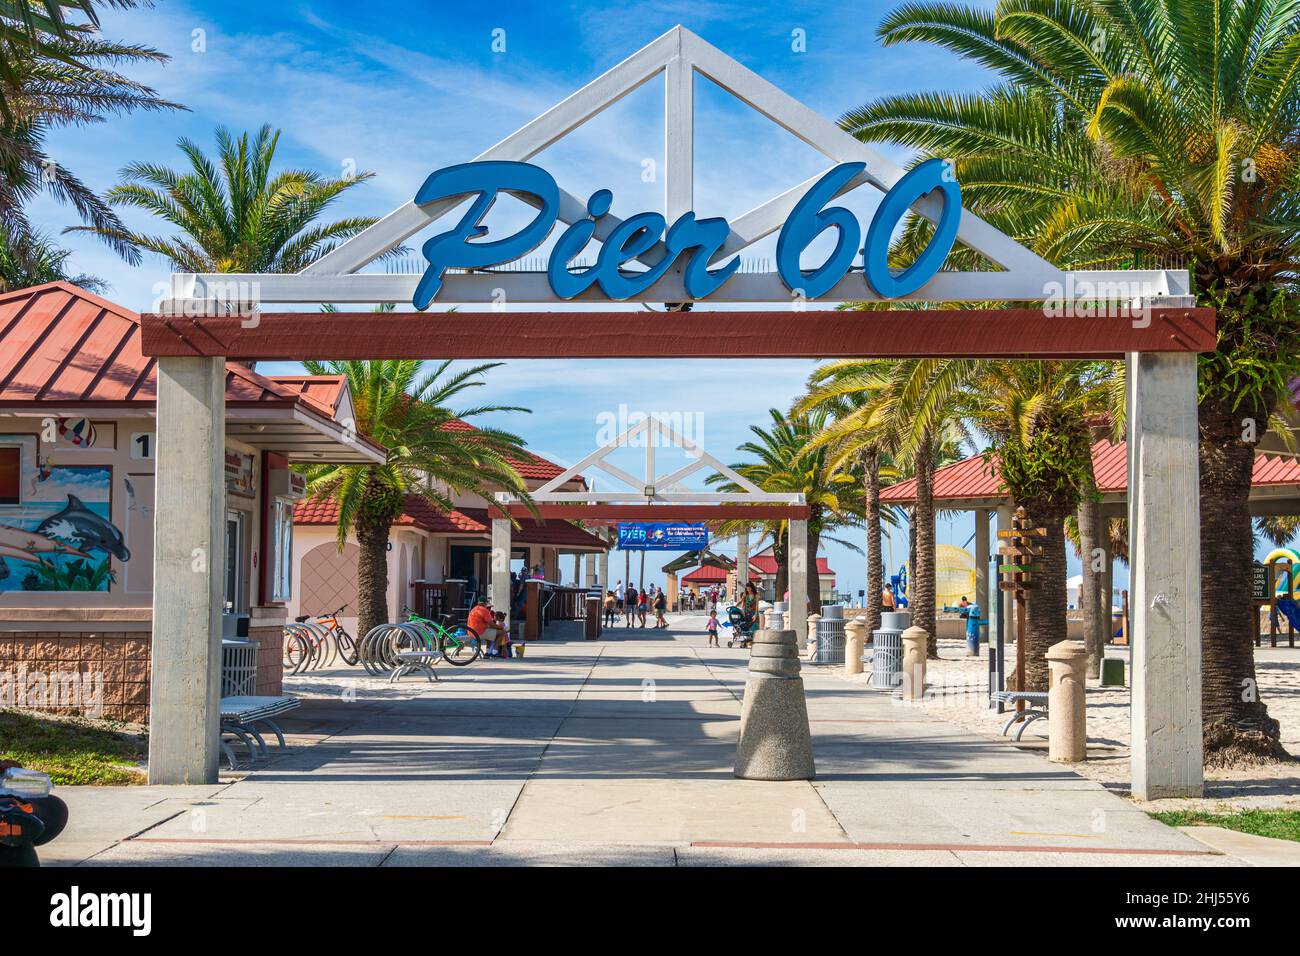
point(234, 549)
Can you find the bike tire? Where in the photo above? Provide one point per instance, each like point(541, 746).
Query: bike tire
point(461, 645)
point(347, 647)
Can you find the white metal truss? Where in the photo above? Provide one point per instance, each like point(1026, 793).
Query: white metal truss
point(679, 54)
point(653, 486)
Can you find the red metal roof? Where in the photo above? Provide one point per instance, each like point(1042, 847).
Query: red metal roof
point(323, 391)
point(711, 574)
point(64, 344)
point(766, 564)
point(973, 478)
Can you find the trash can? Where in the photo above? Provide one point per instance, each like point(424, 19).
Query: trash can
point(830, 636)
point(887, 650)
point(776, 616)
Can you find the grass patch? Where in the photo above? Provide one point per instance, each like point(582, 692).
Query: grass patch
point(72, 750)
point(1278, 824)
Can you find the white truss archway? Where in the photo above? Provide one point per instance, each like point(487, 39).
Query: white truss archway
point(655, 492)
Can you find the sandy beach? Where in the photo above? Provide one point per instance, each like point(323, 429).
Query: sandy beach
point(956, 687)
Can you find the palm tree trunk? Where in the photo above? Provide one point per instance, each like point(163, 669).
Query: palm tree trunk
point(814, 578)
point(372, 575)
point(1094, 634)
point(921, 604)
point(1236, 724)
point(875, 569)
point(1045, 602)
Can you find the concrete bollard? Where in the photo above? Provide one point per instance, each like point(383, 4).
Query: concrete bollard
point(914, 646)
point(775, 742)
point(1067, 723)
point(855, 637)
point(810, 648)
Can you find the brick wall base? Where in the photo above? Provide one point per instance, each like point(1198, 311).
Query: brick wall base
point(104, 674)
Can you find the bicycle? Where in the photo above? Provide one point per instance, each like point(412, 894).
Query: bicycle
point(346, 646)
point(459, 644)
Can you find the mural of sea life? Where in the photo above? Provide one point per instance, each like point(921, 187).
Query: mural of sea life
point(78, 523)
point(133, 502)
point(32, 545)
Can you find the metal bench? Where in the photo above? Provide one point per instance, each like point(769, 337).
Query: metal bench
point(241, 717)
point(1035, 707)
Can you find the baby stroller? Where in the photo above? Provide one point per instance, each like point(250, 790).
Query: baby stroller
point(742, 631)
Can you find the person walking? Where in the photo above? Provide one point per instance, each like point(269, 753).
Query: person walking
point(642, 608)
point(618, 595)
point(712, 627)
point(611, 608)
point(629, 604)
point(661, 605)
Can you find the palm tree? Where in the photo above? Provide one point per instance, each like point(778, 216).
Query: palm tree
point(1143, 133)
point(56, 74)
point(1036, 416)
point(781, 463)
point(405, 408)
point(1277, 530)
point(33, 258)
point(232, 213)
point(851, 392)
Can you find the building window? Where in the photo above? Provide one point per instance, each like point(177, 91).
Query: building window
point(282, 550)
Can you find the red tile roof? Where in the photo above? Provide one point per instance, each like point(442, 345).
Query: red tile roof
point(973, 478)
point(534, 467)
point(417, 513)
point(554, 532)
point(424, 515)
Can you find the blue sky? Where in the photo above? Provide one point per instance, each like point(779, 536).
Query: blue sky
point(403, 88)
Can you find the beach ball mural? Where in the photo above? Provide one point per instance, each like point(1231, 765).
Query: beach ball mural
point(77, 431)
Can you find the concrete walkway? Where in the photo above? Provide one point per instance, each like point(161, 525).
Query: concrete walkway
point(617, 751)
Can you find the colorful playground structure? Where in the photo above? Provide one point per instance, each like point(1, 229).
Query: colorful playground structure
point(1280, 591)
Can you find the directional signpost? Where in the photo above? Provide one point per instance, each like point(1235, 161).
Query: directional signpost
point(1019, 547)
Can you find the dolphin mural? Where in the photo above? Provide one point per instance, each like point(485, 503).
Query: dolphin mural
point(78, 523)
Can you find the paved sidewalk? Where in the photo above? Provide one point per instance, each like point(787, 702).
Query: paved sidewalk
point(617, 751)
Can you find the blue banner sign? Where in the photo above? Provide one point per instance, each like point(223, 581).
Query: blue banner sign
point(694, 240)
point(662, 536)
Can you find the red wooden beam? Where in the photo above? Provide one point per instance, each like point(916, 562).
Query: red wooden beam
point(950, 333)
point(605, 513)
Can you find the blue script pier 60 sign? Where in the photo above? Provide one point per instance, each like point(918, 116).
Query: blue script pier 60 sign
point(695, 240)
point(662, 536)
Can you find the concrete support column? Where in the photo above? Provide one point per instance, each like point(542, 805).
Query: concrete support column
point(798, 550)
point(590, 583)
point(188, 558)
point(501, 532)
point(982, 596)
point(604, 572)
point(1164, 521)
point(577, 569)
point(1107, 579)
